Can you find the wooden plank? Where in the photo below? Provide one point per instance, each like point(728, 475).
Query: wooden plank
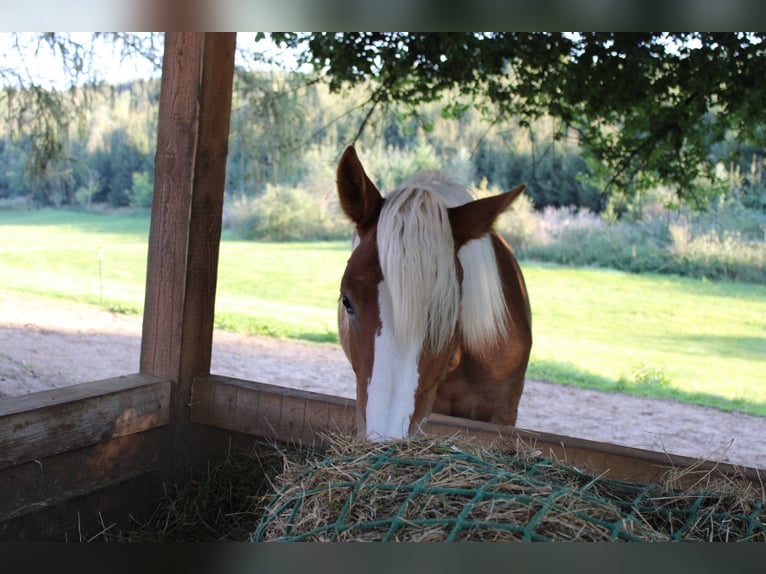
point(187, 206)
point(47, 481)
point(300, 416)
point(49, 422)
point(112, 507)
point(616, 461)
point(269, 411)
point(206, 215)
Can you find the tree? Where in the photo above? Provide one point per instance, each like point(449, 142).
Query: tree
point(647, 107)
point(44, 113)
point(116, 162)
point(268, 130)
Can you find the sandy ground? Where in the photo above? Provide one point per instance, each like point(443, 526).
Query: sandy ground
point(45, 345)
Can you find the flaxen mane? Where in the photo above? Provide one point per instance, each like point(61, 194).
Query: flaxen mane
point(416, 250)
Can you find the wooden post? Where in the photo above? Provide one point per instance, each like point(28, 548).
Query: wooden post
point(189, 178)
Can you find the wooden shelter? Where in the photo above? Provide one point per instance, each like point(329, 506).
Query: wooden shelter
point(68, 454)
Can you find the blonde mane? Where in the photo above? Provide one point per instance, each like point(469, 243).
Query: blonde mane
point(416, 253)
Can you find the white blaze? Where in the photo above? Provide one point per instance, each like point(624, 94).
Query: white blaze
point(391, 390)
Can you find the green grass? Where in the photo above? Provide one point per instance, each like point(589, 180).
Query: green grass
point(55, 253)
point(651, 335)
point(280, 289)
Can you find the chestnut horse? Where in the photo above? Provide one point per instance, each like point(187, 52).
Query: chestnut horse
point(433, 312)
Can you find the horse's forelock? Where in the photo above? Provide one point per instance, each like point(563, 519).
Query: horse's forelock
point(416, 253)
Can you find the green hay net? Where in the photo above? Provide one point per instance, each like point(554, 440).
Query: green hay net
point(443, 491)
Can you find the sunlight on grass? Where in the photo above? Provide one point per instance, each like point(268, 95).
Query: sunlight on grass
point(280, 289)
point(89, 258)
point(616, 328)
point(649, 335)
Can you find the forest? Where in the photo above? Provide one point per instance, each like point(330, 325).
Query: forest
point(282, 126)
point(288, 131)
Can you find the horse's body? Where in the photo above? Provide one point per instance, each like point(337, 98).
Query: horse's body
point(433, 314)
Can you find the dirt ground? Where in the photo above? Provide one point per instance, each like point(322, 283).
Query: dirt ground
point(45, 345)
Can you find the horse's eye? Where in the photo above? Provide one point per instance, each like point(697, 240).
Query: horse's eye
point(347, 304)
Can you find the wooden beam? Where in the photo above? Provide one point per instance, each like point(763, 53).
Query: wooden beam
point(42, 424)
point(190, 173)
point(269, 411)
point(299, 416)
point(615, 461)
point(73, 441)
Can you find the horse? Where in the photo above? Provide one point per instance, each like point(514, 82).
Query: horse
point(433, 313)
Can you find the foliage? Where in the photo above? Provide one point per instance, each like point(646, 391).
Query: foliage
point(287, 133)
point(713, 244)
point(269, 122)
point(286, 213)
point(45, 114)
point(646, 106)
point(142, 189)
point(113, 141)
point(103, 134)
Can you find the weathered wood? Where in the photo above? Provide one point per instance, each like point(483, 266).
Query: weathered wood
point(293, 415)
point(112, 507)
point(615, 461)
point(171, 205)
point(269, 411)
point(48, 481)
point(50, 422)
point(78, 440)
point(190, 172)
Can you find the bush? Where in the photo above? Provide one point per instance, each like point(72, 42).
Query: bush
point(142, 190)
point(18, 203)
point(719, 256)
point(286, 213)
point(519, 223)
point(693, 245)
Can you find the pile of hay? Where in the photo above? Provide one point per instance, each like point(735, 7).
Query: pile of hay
point(426, 490)
point(217, 502)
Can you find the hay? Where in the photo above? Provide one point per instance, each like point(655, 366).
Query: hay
point(221, 502)
point(426, 490)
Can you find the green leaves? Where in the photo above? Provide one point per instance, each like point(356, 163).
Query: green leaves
point(646, 106)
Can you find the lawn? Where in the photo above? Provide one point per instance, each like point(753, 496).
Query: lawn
point(651, 335)
point(697, 341)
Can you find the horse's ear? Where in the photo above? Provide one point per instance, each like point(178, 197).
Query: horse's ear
point(359, 198)
point(473, 220)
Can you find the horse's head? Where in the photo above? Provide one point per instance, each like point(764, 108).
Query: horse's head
point(399, 307)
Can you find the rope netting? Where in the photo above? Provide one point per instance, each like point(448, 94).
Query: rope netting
point(449, 491)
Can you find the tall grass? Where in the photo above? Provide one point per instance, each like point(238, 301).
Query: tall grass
point(726, 242)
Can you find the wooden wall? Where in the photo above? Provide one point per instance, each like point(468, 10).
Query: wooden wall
point(65, 443)
point(301, 416)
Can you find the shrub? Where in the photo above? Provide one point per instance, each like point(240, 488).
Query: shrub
point(286, 213)
point(142, 190)
point(694, 245)
point(18, 203)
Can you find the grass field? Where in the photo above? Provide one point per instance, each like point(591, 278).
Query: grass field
point(697, 341)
